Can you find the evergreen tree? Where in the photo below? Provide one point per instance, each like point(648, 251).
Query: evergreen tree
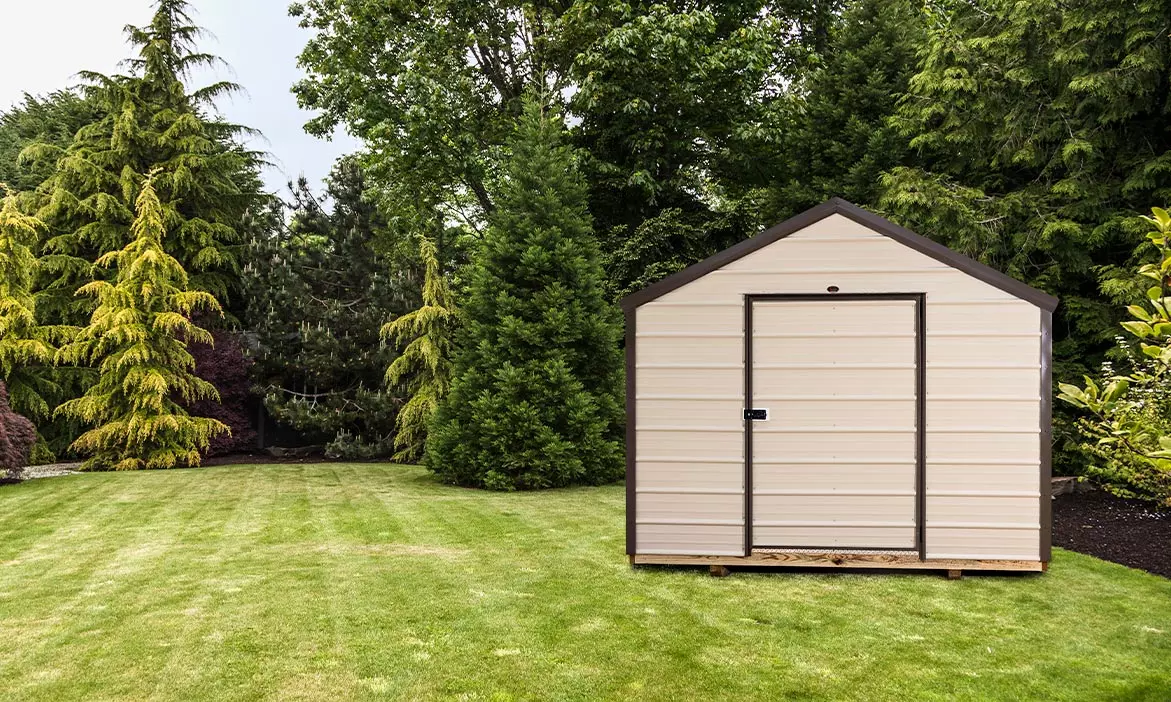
point(149, 119)
point(425, 363)
point(51, 119)
point(137, 337)
point(835, 133)
point(536, 399)
point(26, 346)
point(319, 289)
point(1042, 132)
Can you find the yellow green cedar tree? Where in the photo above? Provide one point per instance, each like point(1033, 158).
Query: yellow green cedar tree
point(148, 118)
point(425, 363)
point(137, 338)
point(26, 346)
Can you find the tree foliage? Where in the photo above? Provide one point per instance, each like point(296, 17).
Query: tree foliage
point(536, 396)
point(1044, 129)
point(51, 119)
point(319, 290)
point(17, 436)
point(26, 346)
point(148, 119)
point(137, 338)
point(424, 336)
point(663, 95)
point(1129, 422)
point(226, 365)
point(832, 134)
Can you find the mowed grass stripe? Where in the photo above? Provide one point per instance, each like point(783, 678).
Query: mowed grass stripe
point(365, 581)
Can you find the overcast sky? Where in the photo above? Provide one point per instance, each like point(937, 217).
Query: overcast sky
point(256, 37)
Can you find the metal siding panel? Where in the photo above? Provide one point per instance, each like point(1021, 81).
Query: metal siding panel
point(834, 476)
point(663, 472)
point(983, 543)
point(700, 318)
point(691, 539)
point(874, 537)
point(687, 350)
point(653, 506)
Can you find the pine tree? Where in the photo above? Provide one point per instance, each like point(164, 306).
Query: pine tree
point(26, 346)
point(536, 399)
point(136, 337)
point(425, 362)
point(319, 289)
point(149, 119)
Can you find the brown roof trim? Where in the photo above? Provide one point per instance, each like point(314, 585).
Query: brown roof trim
point(883, 226)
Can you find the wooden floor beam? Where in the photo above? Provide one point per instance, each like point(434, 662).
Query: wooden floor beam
point(839, 560)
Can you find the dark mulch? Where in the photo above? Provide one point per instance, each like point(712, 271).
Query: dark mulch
point(1131, 532)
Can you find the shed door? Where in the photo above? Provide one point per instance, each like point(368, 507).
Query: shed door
point(836, 464)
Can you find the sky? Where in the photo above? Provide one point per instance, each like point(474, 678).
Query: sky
point(257, 38)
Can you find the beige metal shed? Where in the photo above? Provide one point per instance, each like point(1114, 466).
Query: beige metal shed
point(839, 391)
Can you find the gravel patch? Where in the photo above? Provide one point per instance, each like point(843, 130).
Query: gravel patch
point(51, 470)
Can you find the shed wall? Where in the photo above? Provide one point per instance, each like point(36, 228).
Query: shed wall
point(983, 351)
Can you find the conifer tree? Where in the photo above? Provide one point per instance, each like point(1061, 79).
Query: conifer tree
point(136, 337)
point(535, 402)
point(149, 119)
point(425, 362)
point(25, 345)
point(318, 291)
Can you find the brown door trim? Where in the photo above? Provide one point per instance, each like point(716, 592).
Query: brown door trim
point(920, 300)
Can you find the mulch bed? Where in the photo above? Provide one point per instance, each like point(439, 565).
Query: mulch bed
point(1134, 533)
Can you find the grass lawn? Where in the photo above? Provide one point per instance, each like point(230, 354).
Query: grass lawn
point(340, 581)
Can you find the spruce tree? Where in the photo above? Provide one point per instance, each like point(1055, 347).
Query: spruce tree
point(137, 337)
point(536, 400)
point(26, 346)
point(425, 363)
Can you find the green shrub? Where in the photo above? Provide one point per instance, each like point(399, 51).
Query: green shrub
point(17, 436)
point(1128, 421)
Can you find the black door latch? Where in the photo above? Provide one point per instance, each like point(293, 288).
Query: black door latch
point(755, 414)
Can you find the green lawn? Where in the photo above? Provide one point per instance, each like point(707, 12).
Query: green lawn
point(339, 581)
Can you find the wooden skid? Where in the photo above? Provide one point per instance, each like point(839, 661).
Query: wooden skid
point(839, 560)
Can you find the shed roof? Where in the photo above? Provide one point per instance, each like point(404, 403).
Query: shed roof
point(881, 225)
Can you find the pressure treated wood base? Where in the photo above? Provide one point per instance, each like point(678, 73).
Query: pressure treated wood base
point(839, 560)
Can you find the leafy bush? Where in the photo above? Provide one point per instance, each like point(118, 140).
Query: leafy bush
point(224, 365)
point(1129, 422)
point(17, 436)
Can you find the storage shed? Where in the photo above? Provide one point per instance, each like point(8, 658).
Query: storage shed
point(839, 391)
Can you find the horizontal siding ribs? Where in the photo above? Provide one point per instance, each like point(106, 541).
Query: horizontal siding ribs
point(692, 522)
point(833, 492)
point(983, 493)
point(688, 552)
point(819, 523)
point(990, 558)
point(688, 459)
point(689, 491)
point(1018, 526)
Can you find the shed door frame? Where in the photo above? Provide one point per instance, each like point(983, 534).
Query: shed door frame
point(920, 300)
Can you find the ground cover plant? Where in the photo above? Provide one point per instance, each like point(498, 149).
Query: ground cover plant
point(348, 581)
